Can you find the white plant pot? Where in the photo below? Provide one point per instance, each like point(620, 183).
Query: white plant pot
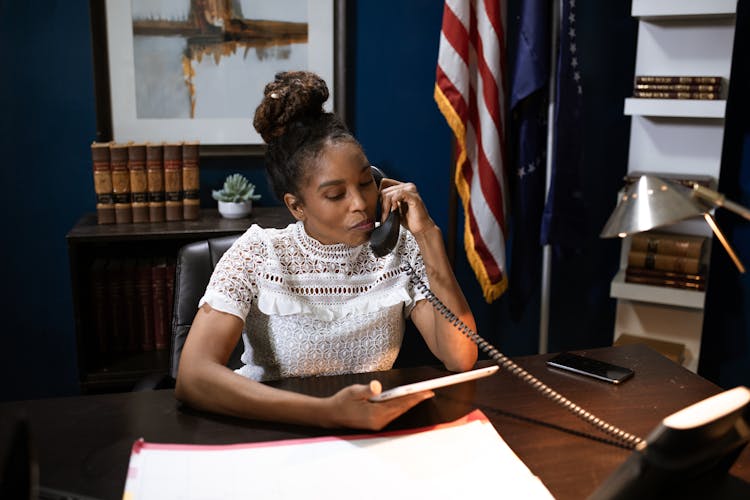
point(232, 210)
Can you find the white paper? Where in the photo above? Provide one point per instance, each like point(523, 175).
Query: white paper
point(464, 459)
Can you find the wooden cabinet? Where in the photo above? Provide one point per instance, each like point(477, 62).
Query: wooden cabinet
point(89, 243)
point(681, 137)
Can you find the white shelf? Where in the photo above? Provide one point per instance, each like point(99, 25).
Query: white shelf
point(621, 289)
point(682, 108)
point(679, 8)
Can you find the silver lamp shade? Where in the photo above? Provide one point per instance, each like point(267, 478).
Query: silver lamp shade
point(651, 202)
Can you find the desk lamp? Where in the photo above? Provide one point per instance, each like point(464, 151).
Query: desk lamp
point(652, 202)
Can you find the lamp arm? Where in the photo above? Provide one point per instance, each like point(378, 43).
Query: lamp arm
point(719, 200)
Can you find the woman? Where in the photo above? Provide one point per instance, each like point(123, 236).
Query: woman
point(312, 299)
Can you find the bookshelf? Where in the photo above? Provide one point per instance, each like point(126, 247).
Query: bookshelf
point(89, 242)
point(682, 137)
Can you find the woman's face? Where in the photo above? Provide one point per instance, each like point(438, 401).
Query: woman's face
point(338, 201)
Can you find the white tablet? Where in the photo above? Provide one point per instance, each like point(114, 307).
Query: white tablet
point(434, 383)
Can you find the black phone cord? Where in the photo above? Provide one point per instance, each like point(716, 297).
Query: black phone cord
point(628, 439)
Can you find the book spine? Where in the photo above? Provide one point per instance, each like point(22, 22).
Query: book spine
point(155, 182)
point(170, 277)
point(704, 96)
point(651, 260)
point(138, 182)
point(667, 244)
point(173, 180)
point(105, 202)
point(159, 295)
point(116, 341)
point(130, 306)
point(146, 316)
point(658, 273)
point(100, 306)
point(668, 282)
point(190, 181)
point(677, 87)
point(118, 158)
point(689, 80)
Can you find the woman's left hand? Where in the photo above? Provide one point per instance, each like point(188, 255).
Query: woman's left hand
point(404, 196)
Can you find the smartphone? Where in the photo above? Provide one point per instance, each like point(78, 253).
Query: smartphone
point(456, 378)
point(590, 367)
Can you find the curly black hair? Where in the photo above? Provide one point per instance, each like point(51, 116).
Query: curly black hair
point(296, 128)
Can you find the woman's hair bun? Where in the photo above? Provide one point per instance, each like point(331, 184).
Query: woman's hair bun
point(292, 96)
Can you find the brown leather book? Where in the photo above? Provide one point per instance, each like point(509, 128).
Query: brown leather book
point(105, 202)
point(117, 327)
point(669, 94)
point(173, 180)
point(670, 279)
point(159, 300)
point(675, 263)
point(191, 201)
point(130, 306)
point(118, 160)
point(146, 306)
point(155, 181)
point(138, 182)
point(170, 275)
point(100, 307)
point(703, 80)
point(677, 87)
point(682, 245)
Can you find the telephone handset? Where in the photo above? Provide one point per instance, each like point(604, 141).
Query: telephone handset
point(383, 239)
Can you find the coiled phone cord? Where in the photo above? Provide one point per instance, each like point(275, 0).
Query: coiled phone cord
point(629, 440)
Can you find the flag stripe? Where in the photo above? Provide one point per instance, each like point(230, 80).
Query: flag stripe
point(469, 90)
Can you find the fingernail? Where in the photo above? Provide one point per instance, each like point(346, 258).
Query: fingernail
point(375, 387)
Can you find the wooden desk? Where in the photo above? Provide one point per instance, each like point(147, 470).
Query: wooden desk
point(83, 443)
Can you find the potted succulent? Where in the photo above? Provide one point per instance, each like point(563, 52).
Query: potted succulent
point(236, 197)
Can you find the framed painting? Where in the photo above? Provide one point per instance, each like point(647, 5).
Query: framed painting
point(179, 70)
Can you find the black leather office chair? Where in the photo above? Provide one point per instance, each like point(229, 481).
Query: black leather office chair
point(195, 264)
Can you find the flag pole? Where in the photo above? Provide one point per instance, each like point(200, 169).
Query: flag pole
point(546, 250)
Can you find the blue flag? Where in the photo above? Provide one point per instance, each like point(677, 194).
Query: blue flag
point(529, 101)
point(564, 221)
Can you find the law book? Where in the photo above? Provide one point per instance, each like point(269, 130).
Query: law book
point(118, 160)
point(683, 79)
point(678, 87)
point(170, 272)
point(155, 181)
point(675, 263)
point(138, 181)
point(190, 181)
point(670, 244)
point(117, 327)
point(159, 300)
point(173, 180)
point(144, 292)
point(99, 306)
point(671, 279)
point(130, 306)
point(105, 202)
point(703, 96)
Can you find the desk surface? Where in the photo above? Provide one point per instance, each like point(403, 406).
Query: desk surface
point(83, 443)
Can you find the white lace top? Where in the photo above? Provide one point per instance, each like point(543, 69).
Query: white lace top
point(313, 309)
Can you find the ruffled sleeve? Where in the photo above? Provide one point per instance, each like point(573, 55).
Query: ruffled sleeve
point(233, 284)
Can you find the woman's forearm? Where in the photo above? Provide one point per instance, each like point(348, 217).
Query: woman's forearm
point(453, 348)
point(210, 386)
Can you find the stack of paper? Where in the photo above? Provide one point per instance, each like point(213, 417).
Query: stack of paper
point(463, 459)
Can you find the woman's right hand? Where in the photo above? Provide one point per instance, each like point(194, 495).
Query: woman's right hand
point(350, 407)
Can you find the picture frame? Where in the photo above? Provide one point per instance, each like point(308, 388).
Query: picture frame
point(118, 100)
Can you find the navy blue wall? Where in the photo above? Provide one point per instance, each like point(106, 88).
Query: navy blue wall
point(48, 121)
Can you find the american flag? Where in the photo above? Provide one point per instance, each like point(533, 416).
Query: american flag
point(470, 92)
